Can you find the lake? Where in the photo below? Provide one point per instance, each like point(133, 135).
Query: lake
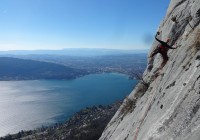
point(26, 105)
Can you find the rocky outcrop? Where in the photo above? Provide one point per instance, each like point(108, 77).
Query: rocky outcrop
point(168, 107)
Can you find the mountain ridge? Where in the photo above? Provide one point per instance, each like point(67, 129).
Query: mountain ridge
point(21, 69)
point(84, 52)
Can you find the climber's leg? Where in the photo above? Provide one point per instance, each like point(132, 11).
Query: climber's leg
point(165, 59)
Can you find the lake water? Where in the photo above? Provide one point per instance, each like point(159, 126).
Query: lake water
point(31, 104)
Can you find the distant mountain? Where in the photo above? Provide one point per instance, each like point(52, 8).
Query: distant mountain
point(19, 69)
point(74, 52)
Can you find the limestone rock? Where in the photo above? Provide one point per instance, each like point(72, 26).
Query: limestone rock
point(170, 106)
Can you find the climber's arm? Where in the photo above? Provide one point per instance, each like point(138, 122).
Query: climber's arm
point(162, 42)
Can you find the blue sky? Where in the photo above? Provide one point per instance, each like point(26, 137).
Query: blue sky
point(57, 24)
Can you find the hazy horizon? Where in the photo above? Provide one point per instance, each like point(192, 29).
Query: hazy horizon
point(62, 49)
point(75, 52)
point(51, 24)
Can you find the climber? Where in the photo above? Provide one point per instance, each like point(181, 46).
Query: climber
point(162, 49)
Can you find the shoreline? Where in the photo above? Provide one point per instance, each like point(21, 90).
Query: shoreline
point(90, 121)
point(35, 79)
point(64, 90)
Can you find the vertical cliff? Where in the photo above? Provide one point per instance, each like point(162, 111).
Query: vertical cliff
point(166, 104)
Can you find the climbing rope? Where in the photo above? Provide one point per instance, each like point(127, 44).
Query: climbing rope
point(146, 111)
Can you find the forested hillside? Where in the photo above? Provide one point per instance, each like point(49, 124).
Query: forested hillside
point(19, 69)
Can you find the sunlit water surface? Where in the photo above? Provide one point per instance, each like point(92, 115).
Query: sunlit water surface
point(31, 104)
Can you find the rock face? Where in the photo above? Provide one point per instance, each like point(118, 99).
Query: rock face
point(169, 107)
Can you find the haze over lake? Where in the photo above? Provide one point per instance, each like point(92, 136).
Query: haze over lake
point(31, 104)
